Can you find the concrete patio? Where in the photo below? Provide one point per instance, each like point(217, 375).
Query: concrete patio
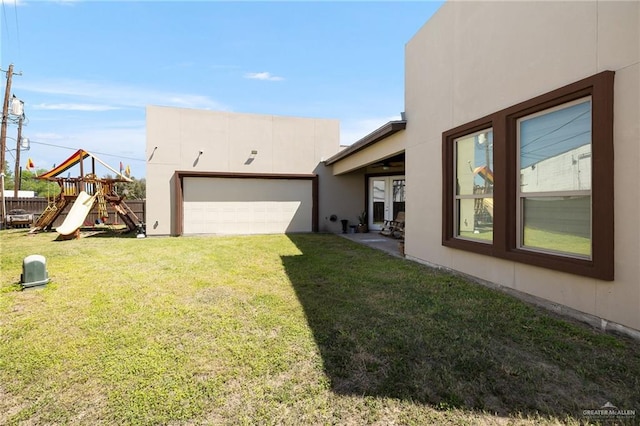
point(375, 240)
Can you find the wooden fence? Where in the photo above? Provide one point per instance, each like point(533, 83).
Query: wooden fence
point(37, 205)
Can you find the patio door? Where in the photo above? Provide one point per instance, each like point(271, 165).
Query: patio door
point(386, 199)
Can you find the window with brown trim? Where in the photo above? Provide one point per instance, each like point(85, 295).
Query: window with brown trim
point(533, 183)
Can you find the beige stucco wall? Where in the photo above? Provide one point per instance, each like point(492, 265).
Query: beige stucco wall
point(474, 58)
point(343, 196)
point(285, 145)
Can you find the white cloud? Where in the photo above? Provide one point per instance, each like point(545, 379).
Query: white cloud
point(47, 136)
point(56, 130)
point(265, 76)
point(25, 2)
point(66, 2)
point(75, 107)
point(352, 130)
point(113, 142)
point(118, 96)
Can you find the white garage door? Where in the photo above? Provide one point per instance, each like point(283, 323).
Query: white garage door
point(247, 206)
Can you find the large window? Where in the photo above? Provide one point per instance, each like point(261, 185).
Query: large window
point(554, 205)
point(534, 182)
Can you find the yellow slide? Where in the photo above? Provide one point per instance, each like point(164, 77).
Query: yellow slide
point(78, 213)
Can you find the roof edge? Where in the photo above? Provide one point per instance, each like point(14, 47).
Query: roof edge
point(377, 135)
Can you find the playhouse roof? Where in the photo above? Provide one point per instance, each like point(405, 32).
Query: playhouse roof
point(76, 158)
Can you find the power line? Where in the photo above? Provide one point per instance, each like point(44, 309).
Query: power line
point(6, 24)
point(93, 152)
point(15, 8)
point(552, 143)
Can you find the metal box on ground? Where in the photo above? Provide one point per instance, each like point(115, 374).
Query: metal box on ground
point(34, 271)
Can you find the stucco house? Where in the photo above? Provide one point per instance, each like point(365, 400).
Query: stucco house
point(514, 161)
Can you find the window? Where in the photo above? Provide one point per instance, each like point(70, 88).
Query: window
point(534, 183)
point(399, 196)
point(554, 205)
point(473, 204)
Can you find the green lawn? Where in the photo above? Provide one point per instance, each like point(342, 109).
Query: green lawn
point(301, 329)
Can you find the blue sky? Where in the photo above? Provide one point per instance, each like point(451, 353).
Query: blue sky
point(89, 68)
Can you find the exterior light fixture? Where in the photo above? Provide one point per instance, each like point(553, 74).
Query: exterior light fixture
point(252, 157)
point(195, 162)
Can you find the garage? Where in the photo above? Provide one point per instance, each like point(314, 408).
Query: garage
point(234, 204)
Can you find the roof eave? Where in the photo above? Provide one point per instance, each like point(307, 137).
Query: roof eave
point(377, 135)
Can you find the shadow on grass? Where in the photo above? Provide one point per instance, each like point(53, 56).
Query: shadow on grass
point(96, 233)
point(392, 328)
point(112, 233)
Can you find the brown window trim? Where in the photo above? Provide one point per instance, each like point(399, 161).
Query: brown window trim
point(601, 264)
point(178, 178)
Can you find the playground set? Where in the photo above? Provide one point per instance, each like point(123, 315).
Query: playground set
point(483, 206)
point(84, 193)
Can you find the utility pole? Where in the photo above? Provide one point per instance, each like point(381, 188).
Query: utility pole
point(3, 142)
